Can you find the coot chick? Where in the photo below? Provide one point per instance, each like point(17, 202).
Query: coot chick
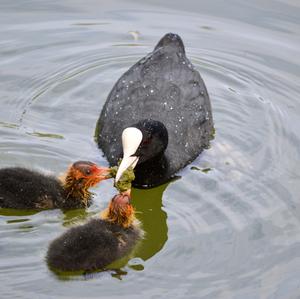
point(162, 104)
point(21, 188)
point(99, 242)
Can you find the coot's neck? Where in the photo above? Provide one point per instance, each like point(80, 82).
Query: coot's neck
point(76, 193)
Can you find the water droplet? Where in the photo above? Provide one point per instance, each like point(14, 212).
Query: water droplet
point(131, 82)
point(117, 113)
point(124, 81)
point(183, 62)
point(151, 90)
point(171, 108)
point(117, 95)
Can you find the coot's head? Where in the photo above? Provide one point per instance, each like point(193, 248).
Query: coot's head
point(120, 211)
point(144, 141)
point(86, 174)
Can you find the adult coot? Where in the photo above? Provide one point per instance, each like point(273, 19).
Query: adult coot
point(21, 188)
point(99, 242)
point(162, 107)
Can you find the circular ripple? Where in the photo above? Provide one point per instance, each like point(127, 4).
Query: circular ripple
point(229, 232)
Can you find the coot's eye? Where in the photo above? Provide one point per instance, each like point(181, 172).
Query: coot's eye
point(147, 141)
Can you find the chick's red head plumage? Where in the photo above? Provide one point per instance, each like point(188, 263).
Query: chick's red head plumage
point(88, 173)
point(120, 211)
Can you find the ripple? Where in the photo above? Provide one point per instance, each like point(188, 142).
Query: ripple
point(251, 138)
point(232, 232)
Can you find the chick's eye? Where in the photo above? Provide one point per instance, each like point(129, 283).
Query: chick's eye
point(88, 172)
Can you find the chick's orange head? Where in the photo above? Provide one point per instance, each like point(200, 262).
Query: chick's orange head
point(88, 173)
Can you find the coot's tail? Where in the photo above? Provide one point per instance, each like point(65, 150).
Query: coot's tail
point(173, 41)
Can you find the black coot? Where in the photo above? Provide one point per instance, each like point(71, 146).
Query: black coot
point(165, 98)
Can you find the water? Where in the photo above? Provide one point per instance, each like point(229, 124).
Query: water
point(229, 231)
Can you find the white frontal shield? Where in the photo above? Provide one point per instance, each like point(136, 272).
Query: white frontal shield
point(131, 139)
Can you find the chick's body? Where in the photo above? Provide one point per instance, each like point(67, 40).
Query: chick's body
point(92, 246)
point(22, 188)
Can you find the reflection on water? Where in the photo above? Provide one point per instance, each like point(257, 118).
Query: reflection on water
point(16, 212)
point(149, 207)
point(46, 135)
point(72, 217)
point(230, 227)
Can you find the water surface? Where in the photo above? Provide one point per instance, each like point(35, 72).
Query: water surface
point(230, 226)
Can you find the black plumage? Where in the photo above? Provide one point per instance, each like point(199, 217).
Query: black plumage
point(164, 87)
point(92, 246)
point(22, 188)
